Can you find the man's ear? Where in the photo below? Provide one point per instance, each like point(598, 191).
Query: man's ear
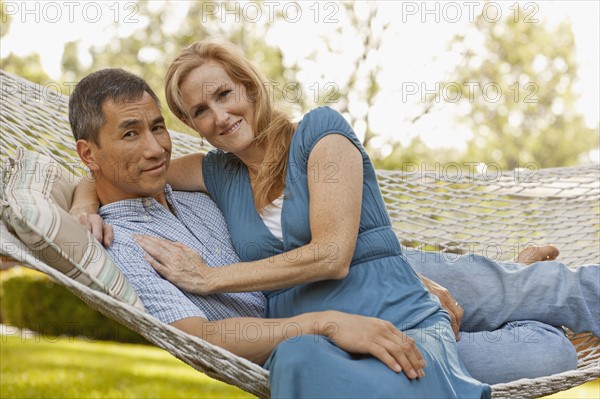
point(87, 153)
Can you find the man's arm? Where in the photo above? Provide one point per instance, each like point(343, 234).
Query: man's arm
point(255, 338)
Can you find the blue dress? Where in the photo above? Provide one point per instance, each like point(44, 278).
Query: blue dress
point(380, 283)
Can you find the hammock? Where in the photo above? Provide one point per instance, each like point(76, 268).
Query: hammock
point(453, 208)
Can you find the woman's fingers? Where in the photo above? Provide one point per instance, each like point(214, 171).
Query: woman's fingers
point(108, 235)
point(152, 243)
point(159, 267)
point(163, 250)
point(176, 262)
point(95, 224)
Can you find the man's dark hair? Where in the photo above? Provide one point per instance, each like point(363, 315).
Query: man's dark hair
point(85, 104)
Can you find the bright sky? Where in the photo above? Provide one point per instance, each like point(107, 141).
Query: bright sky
point(413, 51)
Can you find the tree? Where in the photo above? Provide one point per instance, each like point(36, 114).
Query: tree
point(416, 156)
point(4, 20)
point(28, 67)
point(148, 51)
point(518, 91)
point(356, 92)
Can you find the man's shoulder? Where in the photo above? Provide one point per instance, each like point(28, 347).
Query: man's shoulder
point(191, 196)
point(195, 202)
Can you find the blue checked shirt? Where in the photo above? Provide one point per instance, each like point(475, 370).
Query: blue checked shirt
point(197, 223)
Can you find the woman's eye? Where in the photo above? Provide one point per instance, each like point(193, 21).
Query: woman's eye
point(224, 93)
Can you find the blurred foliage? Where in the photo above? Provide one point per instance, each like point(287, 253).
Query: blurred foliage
point(354, 94)
point(4, 20)
point(416, 155)
point(517, 93)
point(148, 51)
point(29, 299)
point(534, 118)
point(28, 66)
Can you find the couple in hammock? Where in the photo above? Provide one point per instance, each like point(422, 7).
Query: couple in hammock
point(346, 313)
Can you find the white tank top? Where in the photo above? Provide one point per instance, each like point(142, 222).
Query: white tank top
point(271, 216)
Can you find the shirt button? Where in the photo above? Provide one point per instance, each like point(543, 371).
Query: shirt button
point(147, 202)
point(146, 218)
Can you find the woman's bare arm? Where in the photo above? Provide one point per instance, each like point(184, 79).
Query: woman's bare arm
point(185, 173)
point(335, 205)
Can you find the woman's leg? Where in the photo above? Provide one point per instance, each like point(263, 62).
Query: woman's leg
point(314, 367)
point(522, 349)
point(494, 293)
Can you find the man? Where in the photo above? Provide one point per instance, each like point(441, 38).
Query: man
point(122, 138)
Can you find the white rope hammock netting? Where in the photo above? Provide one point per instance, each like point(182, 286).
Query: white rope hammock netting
point(452, 208)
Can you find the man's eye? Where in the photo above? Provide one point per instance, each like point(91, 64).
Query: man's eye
point(129, 134)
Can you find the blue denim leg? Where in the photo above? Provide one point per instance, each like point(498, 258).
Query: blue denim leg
point(494, 293)
point(523, 349)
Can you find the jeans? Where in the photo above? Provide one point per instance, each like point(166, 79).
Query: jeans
point(520, 349)
point(510, 310)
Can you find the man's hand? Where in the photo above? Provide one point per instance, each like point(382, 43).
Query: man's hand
point(178, 263)
point(376, 337)
point(448, 302)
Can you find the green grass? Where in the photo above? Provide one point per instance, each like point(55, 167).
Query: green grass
point(590, 390)
point(50, 367)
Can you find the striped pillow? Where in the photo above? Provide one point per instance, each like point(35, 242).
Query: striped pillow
point(36, 197)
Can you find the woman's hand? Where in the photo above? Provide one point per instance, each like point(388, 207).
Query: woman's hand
point(178, 263)
point(448, 302)
point(376, 337)
point(84, 208)
point(101, 231)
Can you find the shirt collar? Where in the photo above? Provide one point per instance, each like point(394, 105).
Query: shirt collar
point(137, 209)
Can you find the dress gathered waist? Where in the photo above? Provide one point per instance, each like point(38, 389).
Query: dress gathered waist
point(380, 242)
point(377, 243)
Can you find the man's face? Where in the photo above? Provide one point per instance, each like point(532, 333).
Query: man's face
point(134, 152)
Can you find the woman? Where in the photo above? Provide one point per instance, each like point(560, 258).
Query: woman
point(307, 217)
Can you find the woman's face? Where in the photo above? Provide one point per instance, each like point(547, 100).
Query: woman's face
point(219, 108)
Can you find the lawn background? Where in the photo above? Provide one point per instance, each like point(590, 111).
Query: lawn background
point(65, 367)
